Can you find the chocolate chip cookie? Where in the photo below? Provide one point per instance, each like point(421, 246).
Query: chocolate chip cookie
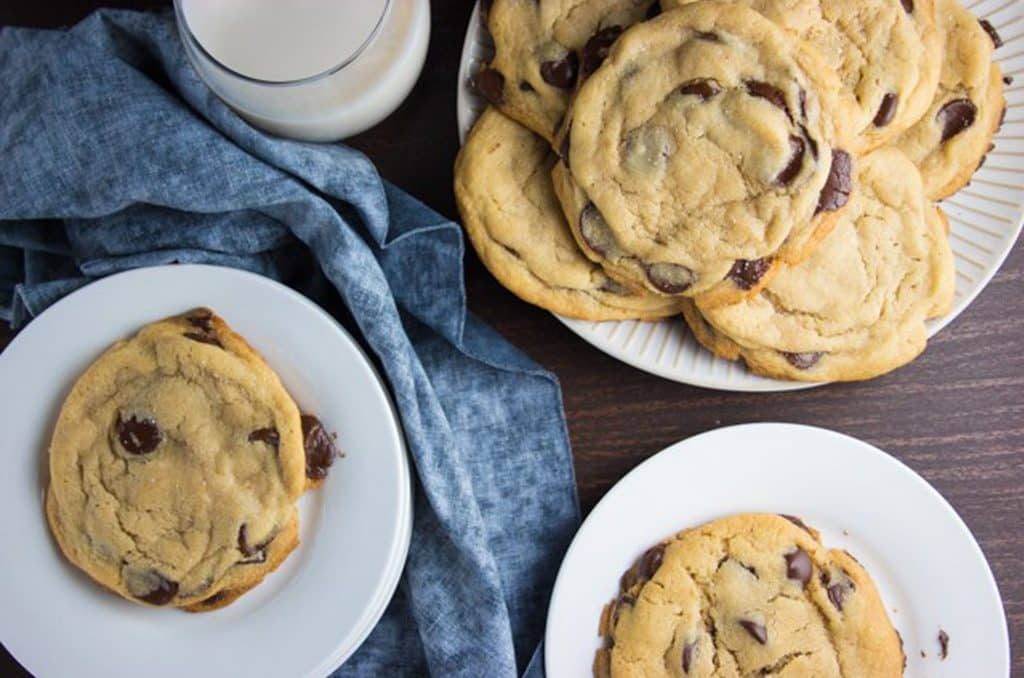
point(175, 465)
point(703, 152)
point(503, 188)
point(541, 49)
point(748, 595)
point(887, 54)
point(950, 142)
point(857, 307)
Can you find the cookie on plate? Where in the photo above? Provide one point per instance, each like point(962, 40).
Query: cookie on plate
point(503, 188)
point(748, 595)
point(950, 142)
point(175, 465)
point(857, 307)
point(541, 47)
point(703, 152)
point(887, 54)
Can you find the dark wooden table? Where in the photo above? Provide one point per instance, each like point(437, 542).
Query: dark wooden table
point(956, 415)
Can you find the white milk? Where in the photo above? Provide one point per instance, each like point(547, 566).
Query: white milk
point(318, 70)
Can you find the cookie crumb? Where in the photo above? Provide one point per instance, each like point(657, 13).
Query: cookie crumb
point(943, 644)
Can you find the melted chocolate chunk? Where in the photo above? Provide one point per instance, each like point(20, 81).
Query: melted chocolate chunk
point(596, 49)
point(267, 435)
point(836, 593)
point(837, 187)
point(595, 230)
point(908, 5)
point(203, 338)
point(320, 451)
point(799, 567)
point(644, 568)
point(796, 521)
point(943, 645)
point(689, 650)
point(612, 287)
point(746, 273)
point(215, 598)
point(561, 73)
point(757, 631)
point(202, 319)
point(705, 35)
point(525, 86)
point(490, 84)
point(795, 164)
point(705, 88)
point(771, 93)
point(138, 436)
point(992, 32)
point(955, 116)
point(254, 553)
point(670, 278)
point(802, 361)
point(163, 593)
point(886, 110)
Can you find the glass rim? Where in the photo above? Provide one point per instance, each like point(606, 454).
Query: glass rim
point(189, 37)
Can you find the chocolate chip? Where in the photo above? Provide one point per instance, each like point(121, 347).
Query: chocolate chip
point(204, 338)
point(771, 93)
point(802, 361)
point(267, 435)
point(138, 436)
point(202, 319)
point(320, 451)
point(653, 11)
point(955, 116)
point(757, 631)
point(795, 164)
point(490, 84)
point(254, 553)
point(943, 645)
point(886, 111)
point(215, 598)
point(689, 650)
point(992, 32)
point(746, 273)
point(595, 231)
point(612, 287)
point(644, 568)
point(836, 594)
point(798, 566)
point(163, 592)
point(705, 35)
point(596, 49)
point(525, 86)
point(705, 88)
point(908, 5)
point(796, 521)
point(561, 73)
point(670, 278)
point(837, 187)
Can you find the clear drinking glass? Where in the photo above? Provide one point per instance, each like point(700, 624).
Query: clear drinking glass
point(317, 70)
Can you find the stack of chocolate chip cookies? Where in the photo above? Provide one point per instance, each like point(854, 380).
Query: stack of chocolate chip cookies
point(766, 168)
point(175, 465)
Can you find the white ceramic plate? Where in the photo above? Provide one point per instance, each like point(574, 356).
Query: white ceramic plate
point(929, 569)
point(307, 617)
point(985, 217)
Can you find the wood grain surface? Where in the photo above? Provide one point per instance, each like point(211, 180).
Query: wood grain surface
point(956, 415)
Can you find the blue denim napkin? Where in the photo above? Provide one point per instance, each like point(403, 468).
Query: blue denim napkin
point(106, 128)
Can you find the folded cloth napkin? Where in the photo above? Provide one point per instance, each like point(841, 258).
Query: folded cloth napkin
point(107, 129)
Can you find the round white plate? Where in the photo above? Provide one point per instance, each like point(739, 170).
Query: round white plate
point(307, 617)
point(929, 569)
point(985, 217)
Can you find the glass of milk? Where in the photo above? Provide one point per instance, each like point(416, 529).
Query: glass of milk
point(316, 70)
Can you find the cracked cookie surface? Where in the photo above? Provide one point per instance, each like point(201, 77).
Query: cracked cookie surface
point(857, 307)
point(887, 54)
point(540, 48)
point(702, 152)
point(950, 141)
point(748, 595)
point(175, 465)
point(509, 210)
